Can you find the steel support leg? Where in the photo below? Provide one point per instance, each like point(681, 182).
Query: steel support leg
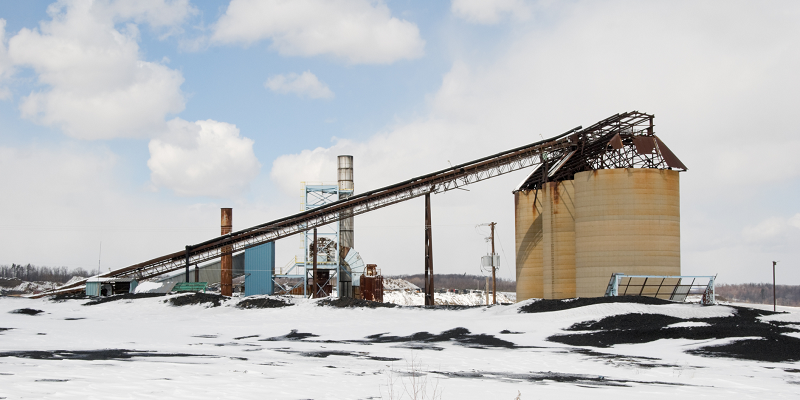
point(315, 284)
point(428, 253)
point(187, 263)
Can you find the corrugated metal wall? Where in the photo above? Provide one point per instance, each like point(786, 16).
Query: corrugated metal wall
point(93, 289)
point(259, 265)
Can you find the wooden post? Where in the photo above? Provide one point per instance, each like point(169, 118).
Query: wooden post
point(774, 298)
point(429, 301)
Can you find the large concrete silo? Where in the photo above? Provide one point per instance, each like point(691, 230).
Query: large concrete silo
point(558, 250)
point(529, 236)
point(626, 220)
point(606, 202)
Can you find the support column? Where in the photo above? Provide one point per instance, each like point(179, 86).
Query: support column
point(187, 262)
point(428, 253)
point(315, 283)
point(226, 270)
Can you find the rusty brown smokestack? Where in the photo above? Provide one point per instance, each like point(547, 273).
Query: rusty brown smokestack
point(226, 270)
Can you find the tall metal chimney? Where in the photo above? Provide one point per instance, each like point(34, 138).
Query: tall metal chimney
point(226, 269)
point(346, 239)
point(345, 174)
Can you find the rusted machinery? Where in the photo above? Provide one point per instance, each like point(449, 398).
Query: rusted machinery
point(372, 284)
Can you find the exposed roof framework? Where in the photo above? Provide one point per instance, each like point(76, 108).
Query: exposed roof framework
point(620, 141)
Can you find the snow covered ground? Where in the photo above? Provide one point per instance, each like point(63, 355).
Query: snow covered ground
point(405, 298)
point(307, 351)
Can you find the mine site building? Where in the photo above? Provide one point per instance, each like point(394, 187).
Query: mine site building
point(611, 204)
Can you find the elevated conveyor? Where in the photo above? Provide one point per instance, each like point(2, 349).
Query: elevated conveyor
point(603, 144)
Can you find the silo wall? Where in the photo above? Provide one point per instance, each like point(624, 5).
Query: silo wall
point(528, 239)
point(558, 246)
point(626, 220)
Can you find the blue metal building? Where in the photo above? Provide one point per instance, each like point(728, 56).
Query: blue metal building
point(259, 266)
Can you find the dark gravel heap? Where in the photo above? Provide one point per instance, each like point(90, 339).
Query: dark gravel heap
point(264, 302)
point(197, 298)
point(125, 296)
point(348, 302)
point(26, 311)
point(91, 355)
point(773, 346)
point(558, 305)
point(458, 335)
point(69, 296)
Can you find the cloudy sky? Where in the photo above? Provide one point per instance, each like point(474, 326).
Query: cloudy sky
point(132, 123)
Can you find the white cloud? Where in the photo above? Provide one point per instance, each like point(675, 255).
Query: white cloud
point(96, 84)
point(156, 13)
point(6, 68)
point(490, 11)
point(774, 231)
point(60, 202)
point(203, 158)
point(305, 84)
point(358, 31)
point(713, 82)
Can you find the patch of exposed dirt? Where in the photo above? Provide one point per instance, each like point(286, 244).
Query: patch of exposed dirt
point(197, 298)
point(350, 302)
point(124, 296)
point(26, 311)
point(545, 305)
point(91, 355)
point(264, 302)
point(773, 346)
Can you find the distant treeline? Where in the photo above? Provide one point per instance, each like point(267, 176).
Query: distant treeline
point(461, 282)
point(33, 273)
point(760, 293)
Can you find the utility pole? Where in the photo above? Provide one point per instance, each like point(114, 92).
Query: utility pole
point(494, 268)
point(774, 298)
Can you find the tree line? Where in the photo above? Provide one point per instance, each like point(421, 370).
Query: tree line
point(460, 282)
point(759, 293)
point(33, 273)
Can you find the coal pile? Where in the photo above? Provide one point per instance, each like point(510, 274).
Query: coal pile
point(558, 305)
point(346, 302)
point(91, 355)
point(773, 345)
point(26, 311)
point(459, 335)
point(197, 298)
point(124, 296)
point(69, 296)
point(263, 302)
